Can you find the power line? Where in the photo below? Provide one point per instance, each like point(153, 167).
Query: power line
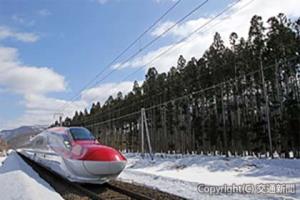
point(105, 113)
point(185, 38)
point(127, 115)
point(134, 42)
point(127, 48)
point(155, 39)
point(149, 43)
point(189, 94)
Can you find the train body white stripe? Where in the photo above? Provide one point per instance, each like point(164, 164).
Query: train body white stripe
point(96, 172)
point(73, 153)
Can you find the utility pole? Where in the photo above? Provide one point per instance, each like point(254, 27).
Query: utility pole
point(144, 123)
point(267, 110)
point(142, 133)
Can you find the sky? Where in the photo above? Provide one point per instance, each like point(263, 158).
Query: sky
point(51, 49)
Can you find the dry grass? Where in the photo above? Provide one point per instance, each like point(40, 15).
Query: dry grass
point(3, 147)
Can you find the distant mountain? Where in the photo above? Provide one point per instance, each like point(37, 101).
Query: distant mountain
point(16, 137)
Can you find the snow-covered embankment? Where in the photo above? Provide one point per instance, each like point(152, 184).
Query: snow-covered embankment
point(181, 175)
point(19, 181)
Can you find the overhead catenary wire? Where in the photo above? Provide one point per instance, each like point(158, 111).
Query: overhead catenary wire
point(126, 49)
point(155, 39)
point(145, 46)
point(189, 94)
point(183, 39)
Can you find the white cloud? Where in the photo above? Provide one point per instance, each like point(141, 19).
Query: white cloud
point(237, 20)
point(35, 83)
point(6, 32)
point(38, 102)
point(179, 30)
point(102, 92)
point(40, 110)
point(23, 79)
point(32, 83)
point(163, 27)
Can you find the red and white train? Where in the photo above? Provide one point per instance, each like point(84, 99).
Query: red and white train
point(75, 154)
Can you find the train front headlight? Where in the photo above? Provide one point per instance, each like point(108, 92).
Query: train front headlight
point(67, 144)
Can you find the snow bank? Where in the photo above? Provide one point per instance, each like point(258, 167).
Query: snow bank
point(181, 175)
point(19, 181)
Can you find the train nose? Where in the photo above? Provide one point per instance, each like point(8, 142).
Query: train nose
point(104, 154)
point(104, 160)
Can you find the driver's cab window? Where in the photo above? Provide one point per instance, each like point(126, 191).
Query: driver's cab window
point(59, 141)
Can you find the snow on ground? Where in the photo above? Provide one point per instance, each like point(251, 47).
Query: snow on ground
point(19, 181)
point(181, 175)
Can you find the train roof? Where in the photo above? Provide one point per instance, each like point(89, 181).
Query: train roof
point(61, 130)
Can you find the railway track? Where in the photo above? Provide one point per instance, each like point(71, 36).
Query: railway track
point(112, 190)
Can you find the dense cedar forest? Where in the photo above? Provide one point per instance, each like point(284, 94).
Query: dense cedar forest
point(233, 100)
